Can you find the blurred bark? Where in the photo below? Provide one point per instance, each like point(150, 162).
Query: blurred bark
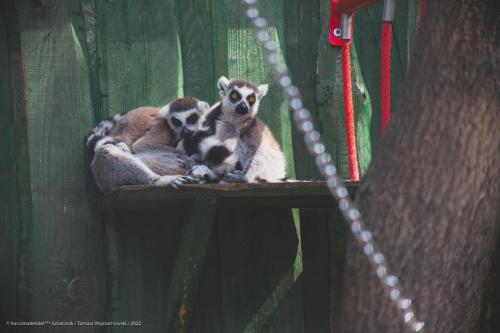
point(432, 193)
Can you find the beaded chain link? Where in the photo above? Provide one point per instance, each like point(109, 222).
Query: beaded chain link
point(303, 121)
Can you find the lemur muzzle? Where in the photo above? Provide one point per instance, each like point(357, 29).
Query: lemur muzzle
point(242, 108)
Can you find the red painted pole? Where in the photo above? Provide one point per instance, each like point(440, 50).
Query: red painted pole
point(386, 73)
point(385, 57)
point(349, 111)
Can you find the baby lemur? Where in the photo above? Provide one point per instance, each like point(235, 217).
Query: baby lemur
point(234, 144)
point(136, 148)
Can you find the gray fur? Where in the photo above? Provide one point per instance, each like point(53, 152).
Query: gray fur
point(249, 140)
point(150, 160)
point(113, 167)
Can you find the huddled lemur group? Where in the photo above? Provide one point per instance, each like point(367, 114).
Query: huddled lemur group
point(187, 141)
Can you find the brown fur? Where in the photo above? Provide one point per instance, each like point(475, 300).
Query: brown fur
point(158, 135)
point(134, 124)
point(183, 104)
point(256, 133)
point(242, 83)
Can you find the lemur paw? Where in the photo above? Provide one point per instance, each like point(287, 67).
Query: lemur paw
point(174, 181)
point(109, 140)
point(123, 146)
point(236, 176)
point(187, 162)
point(202, 172)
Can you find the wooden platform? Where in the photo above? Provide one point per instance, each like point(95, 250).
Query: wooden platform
point(300, 194)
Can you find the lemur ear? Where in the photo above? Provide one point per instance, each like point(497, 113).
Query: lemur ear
point(203, 106)
point(164, 111)
point(222, 84)
point(263, 88)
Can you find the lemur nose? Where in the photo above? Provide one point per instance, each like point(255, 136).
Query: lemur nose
point(186, 132)
point(242, 108)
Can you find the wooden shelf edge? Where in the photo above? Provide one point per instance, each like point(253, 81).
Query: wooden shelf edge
point(294, 194)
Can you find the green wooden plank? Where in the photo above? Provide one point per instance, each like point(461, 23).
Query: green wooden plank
point(285, 319)
point(326, 75)
point(245, 59)
point(9, 218)
point(301, 32)
point(207, 311)
point(84, 17)
point(15, 175)
point(276, 306)
point(67, 260)
point(367, 36)
point(363, 114)
point(257, 248)
point(337, 240)
point(142, 246)
point(191, 253)
point(304, 43)
point(287, 194)
point(412, 30)
point(139, 53)
point(195, 20)
point(134, 57)
point(318, 304)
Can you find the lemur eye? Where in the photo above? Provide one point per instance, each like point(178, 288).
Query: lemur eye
point(251, 99)
point(234, 96)
point(192, 119)
point(176, 122)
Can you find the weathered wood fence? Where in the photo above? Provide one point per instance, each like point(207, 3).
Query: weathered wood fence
point(64, 65)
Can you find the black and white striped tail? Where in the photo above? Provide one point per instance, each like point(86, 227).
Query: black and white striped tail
point(100, 131)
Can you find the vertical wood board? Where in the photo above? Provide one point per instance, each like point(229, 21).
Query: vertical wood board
point(67, 240)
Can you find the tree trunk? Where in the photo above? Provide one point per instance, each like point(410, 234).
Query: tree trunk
point(432, 193)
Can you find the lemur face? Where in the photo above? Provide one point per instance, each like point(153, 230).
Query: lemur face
point(183, 114)
point(240, 98)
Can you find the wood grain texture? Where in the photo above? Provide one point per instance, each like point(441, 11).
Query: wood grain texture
point(134, 56)
point(411, 30)
point(141, 258)
point(207, 311)
point(139, 54)
point(85, 24)
point(67, 239)
point(18, 195)
point(302, 35)
point(196, 37)
point(184, 285)
point(257, 249)
point(235, 41)
point(367, 35)
point(9, 218)
point(302, 32)
point(296, 194)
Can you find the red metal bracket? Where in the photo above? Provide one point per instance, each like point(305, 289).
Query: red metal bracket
point(335, 35)
point(340, 7)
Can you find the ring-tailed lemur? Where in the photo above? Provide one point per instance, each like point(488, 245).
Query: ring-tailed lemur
point(238, 146)
point(137, 148)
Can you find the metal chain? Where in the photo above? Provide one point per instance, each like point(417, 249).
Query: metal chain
point(303, 121)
